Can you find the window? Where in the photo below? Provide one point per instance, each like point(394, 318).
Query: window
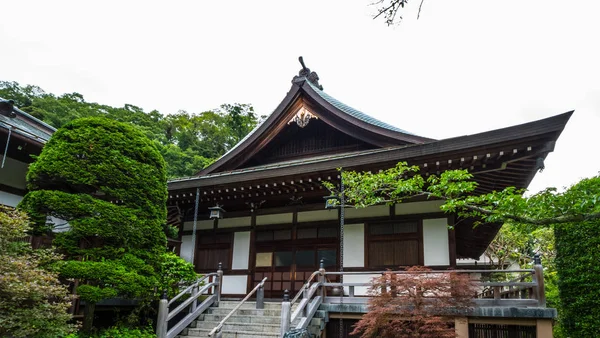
point(393, 244)
point(273, 235)
point(320, 232)
point(212, 250)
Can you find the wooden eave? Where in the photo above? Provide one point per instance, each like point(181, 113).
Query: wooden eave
point(545, 131)
point(302, 94)
point(497, 159)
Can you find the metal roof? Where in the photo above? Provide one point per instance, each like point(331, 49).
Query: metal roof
point(354, 112)
point(27, 125)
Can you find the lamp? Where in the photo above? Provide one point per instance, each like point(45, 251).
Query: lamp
point(216, 212)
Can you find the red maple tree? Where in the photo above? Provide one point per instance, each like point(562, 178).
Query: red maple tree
point(417, 302)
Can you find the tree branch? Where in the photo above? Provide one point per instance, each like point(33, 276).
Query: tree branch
point(421, 5)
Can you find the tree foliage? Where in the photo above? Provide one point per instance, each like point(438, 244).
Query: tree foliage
point(188, 142)
point(108, 181)
point(416, 303)
point(33, 302)
point(570, 217)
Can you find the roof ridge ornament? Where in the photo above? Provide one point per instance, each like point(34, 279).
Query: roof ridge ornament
point(305, 73)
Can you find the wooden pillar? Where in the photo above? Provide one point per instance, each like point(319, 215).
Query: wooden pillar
point(461, 327)
point(544, 328)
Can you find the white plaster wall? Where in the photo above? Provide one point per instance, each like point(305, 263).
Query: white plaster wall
point(234, 222)
point(375, 211)
point(358, 290)
point(435, 241)
point(274, 219)
point(14, 172)
point(318, 215)
point(354, 245)
point(418, 207)
point(234, 285)
point(9, 199)
point(200, 225)
point(241, 250)
point(186, 248)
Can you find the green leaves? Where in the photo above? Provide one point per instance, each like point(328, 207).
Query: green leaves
point(33, 302)
point(108, 181)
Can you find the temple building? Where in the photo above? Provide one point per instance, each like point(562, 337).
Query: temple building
point(269, 185)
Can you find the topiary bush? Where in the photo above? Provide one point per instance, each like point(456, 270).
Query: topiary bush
point(108, 181)
point(577, 252)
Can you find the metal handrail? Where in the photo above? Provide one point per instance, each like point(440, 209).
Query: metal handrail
point(218, 327)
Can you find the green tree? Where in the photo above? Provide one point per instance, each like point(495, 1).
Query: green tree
point(573, 215)
point(33, 303)
point(108, 181)
point(187, 141)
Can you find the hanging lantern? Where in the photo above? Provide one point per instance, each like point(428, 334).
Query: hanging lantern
point(216, 212)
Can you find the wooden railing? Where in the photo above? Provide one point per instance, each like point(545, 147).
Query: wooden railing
point(209, 285)
point(499, 288)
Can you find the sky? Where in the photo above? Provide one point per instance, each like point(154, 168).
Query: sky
point(463, 67)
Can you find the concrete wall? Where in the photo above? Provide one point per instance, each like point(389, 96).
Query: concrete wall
point(354, 245)
point(318, 215)
point(234, 222)
point(9, 199)
point(286, 218)
point(200, 225)
point(14, 172)
point(241, 250)
point(435, 241)
point(186, 248)
point(235, 285)
point(418, 207)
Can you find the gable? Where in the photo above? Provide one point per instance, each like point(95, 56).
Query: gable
point(338, 129)
point(317, 138)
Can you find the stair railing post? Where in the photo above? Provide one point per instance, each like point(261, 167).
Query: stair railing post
point(195, 296)
point(322, 278)
point(163, 312)
point(219, 334)
point(286, 313)
point(538, 277)
point(260, 297)
point(219, 283)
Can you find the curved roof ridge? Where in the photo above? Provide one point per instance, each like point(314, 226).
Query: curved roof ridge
point(355, 112)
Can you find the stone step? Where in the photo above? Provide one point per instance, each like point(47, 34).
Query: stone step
point(240, 319)
point(244, 312)
point(230, 334)
point(234, 326)
point(230, 304)
point(249, 320)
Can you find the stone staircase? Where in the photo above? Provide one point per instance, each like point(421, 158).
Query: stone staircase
point(248, 322)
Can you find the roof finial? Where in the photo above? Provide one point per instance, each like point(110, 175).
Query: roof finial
point(305, 73)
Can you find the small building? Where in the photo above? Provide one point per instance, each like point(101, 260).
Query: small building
point(22, 137)
point(275, 225)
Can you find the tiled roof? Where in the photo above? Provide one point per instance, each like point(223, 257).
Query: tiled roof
point(354, 112)
point(27, 125)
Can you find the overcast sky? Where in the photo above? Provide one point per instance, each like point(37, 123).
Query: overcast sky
point(463, 67)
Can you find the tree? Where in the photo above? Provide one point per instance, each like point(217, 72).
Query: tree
point(33, 302)
point(574, 216)
point(108, 181)
point(188, 142)
point(416, 303)
point(390, 10)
